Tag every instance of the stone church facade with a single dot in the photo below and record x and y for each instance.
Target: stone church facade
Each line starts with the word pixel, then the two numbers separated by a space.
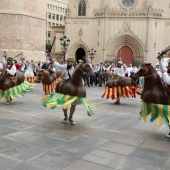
pixel 131 29
pixel 22 28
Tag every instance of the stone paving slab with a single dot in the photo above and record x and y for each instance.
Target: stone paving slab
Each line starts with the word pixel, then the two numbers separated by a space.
pixel 85 165
pixel 6 162
pixel 32 137
pixel 104 158
pixel 119 148
pixel 23 152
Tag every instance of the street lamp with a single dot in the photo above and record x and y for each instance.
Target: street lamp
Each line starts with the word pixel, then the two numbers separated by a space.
pixel 92 52
pixel 64 41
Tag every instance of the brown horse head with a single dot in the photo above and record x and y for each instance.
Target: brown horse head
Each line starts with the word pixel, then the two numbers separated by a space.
pixel 153 91
pixel 144 70
pixel 74 86
pixel 87 68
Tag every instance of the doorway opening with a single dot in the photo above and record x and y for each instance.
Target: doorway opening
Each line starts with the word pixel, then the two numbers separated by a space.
pixel 80 54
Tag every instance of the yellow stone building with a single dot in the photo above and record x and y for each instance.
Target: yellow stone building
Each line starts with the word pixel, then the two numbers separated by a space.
pixel 23 28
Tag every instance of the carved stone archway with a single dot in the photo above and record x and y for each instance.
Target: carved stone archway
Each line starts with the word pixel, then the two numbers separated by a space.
pixel 125 40
pixel 75 47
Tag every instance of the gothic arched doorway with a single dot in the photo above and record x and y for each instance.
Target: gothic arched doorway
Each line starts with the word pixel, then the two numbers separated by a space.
pixel 126 54
pixel 80 54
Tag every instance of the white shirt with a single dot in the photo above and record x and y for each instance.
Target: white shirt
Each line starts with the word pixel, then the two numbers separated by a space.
pixel 101 69
pixel 63 68
pixel 4 61
pixel 166 78
pixel 59 67
pixel 120 71
pixel 135 70
pixel 23 65
pixel 66 73
pixel 129 71
pixel 12 71
pixel 165 75
pixel 1 66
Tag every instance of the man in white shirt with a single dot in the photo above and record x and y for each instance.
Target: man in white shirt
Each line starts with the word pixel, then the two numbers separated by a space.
pixel 130 68
pixel 11 69
pixel 120 70
pixel 165 70
pixel 165 75
pixel 67 70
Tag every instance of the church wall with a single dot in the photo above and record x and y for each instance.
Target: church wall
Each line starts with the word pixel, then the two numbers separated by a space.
pixel 99 32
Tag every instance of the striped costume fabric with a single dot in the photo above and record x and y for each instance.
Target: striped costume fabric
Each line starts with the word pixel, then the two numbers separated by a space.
pixel 57 99
pixel 158 112
pixel 16 91
pixel 51 87
pixel 31 79
pixel 121 92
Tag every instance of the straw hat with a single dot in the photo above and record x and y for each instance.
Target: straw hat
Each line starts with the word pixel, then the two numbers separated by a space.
pixel 10 58
pixel 70 59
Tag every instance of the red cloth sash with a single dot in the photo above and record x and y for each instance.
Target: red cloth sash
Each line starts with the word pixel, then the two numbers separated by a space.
pixel 17 66
pixel 10 66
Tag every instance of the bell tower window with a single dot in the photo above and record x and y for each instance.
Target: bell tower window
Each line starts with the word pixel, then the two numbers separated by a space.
pixel 82 8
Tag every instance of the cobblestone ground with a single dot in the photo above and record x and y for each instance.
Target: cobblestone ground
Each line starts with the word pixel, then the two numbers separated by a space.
pixel 32 137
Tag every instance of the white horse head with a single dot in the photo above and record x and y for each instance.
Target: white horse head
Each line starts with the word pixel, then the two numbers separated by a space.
pixel 30 69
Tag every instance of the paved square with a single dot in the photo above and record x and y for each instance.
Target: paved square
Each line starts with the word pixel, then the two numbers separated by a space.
pixel 32 137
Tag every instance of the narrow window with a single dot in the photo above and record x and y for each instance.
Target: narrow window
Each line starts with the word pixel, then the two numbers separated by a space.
pixel 49 33
pixel 82 8
pixel 53 16
pixel 49 15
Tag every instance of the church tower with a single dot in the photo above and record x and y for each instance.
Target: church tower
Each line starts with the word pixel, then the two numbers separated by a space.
pixel 22 28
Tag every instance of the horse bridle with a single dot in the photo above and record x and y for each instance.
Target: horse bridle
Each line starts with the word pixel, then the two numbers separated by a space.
pixel 146 71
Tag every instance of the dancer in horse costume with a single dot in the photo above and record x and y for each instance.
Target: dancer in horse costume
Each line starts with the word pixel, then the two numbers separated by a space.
pixel 49 77
pixel 12 84
pixel 165 75
pixel 118 86
pixel 155 95
pixel 30 72
pixel 70 89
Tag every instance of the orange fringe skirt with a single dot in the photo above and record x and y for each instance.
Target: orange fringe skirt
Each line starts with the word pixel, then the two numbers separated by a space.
pixel 121 92
pixel 51 87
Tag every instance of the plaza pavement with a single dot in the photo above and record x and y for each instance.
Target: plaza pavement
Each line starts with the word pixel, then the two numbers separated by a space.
pixel 32 137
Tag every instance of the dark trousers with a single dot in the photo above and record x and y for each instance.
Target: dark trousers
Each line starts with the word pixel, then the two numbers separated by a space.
pixel 86 79
pixel 96 78
pixel 100 79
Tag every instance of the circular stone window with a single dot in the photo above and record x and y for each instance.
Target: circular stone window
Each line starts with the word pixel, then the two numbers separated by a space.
pixel 127 3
